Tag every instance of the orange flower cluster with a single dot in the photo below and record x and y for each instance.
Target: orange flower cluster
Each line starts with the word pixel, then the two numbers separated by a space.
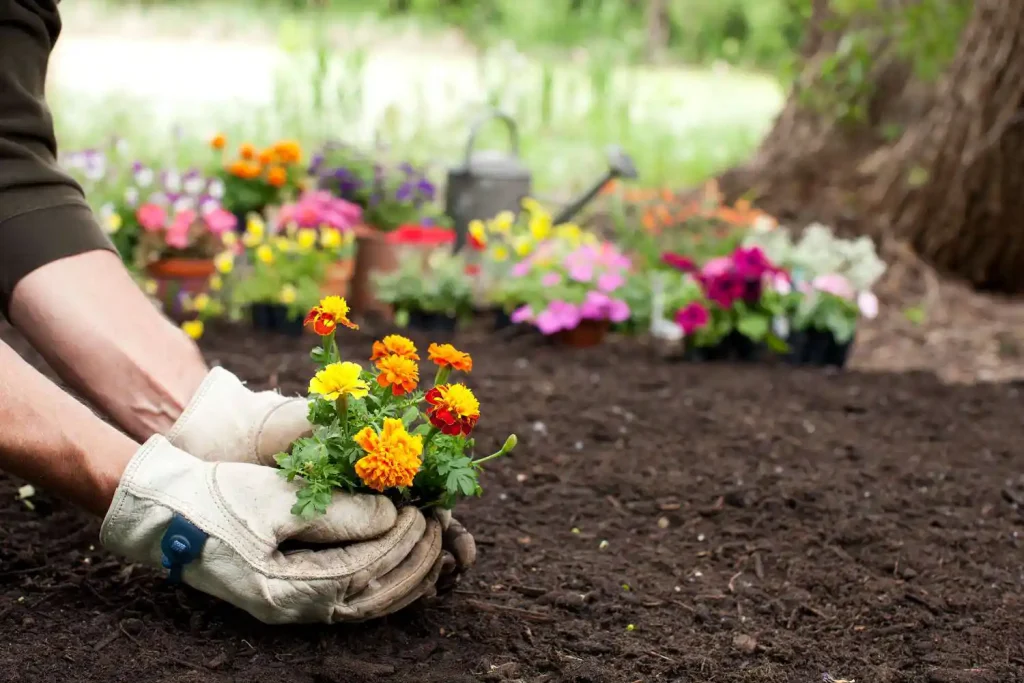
pixel 270 164
pixel 392 458
pixel 665 208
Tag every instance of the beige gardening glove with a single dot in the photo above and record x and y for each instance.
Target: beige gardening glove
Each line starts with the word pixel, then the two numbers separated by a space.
pixel 389 558
pixel 227 422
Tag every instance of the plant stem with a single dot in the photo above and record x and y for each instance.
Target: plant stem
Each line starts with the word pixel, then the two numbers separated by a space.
pixel 442 375
pixel 492 456
pixel 430 435
pixel 342 407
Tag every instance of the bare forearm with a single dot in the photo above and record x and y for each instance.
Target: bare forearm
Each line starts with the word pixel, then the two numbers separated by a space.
pixel 54 441
pixel 107 341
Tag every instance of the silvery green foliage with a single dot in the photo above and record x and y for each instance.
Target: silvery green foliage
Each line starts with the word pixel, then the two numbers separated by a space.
pixel 820 252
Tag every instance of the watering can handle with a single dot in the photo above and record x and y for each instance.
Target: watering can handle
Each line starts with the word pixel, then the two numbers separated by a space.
pixel 513 132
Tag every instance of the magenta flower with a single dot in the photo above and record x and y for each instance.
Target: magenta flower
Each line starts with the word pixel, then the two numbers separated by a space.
pixel 151 217
pixel 679 262
pixel 751 263
pixel 558 316
pixel 595 306
pixel 618 311
pixel 220 221
pixel 523 314
pixel 692 317
pixel 725 289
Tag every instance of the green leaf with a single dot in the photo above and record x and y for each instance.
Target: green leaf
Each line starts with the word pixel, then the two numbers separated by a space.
pixel 422 429
pixel 776 344
pixel 409 416
pixel 754 326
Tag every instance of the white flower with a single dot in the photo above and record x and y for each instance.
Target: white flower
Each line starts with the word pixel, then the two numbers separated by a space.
pixel 131 196
pixel 208 206
pixel 193 185
pixel 781 284
pixel 184 204
pixel 867 302
pixel 780 326
pixel 144 177
pixel 172 182
pixel 216 188
pixel 106 210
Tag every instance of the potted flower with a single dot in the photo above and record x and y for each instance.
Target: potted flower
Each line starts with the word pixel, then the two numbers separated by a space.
pixel 832 278
pixel 432 288
pixel 569 293
pixel 257 178
pixel 329 216
pixel 728 309
pixel 390 196
pixel 179 234
pixel 285 274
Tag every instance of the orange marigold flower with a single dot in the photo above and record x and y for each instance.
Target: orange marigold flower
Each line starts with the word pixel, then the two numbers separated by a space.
pixel 333 307
pixel 392 458
pixel 288 151
pixel 277 176
pixel 401 374
pixel 394 345
pixel 447 356
pixel 265 157
pixel 453 409
pixel 237 168
pixel 247 151
pixel 218 141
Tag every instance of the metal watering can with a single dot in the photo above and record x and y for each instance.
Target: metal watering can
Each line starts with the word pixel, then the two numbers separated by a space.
pixel 489 182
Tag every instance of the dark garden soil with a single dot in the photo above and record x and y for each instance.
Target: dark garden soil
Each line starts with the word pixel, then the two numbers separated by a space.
pixel 658 522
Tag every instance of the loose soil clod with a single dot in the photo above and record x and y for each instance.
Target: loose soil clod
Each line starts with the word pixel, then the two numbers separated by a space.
pixel 796 503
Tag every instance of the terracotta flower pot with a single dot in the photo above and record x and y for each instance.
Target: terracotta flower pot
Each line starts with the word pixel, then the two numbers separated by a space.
pixel 588 333
pixel 177 276
pixel 374 254
pixel 337 279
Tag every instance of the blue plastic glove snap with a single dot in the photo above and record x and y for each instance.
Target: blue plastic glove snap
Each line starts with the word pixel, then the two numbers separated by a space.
pixel 182 543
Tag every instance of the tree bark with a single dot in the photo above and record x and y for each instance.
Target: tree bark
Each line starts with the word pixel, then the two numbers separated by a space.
pixel 951 186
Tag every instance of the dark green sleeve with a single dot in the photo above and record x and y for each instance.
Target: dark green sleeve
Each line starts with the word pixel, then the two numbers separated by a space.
pixel 43 213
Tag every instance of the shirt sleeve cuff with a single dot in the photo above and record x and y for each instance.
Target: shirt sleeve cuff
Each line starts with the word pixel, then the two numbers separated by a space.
pixel 35 238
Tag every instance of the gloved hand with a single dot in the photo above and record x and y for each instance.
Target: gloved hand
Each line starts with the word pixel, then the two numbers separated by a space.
pixel 390 558
pixel 227 422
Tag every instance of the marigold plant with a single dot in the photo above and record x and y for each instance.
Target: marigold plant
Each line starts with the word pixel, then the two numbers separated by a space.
pixel 375 430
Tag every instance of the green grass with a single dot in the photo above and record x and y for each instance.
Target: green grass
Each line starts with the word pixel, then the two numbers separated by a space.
pixel 680 125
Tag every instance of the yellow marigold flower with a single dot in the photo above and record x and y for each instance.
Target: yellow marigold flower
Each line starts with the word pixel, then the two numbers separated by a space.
pixel 499 254
pixel 283 244
pixel 287 295
pixel 503 222
pixel 265 254
pixel 569 232
pixel 229 239
pixel 394 345
pixel 392 458
pixel 150 287
pixel 114 223
pixel 306 239
pixel 446 355
pixel 399 373
pixel 339 379
pixel 201 302
pixel 216 283
pixel 193 328
pixel 225 262
pixel 523 245
pixel 540 226
pixel 478 233
pixel 335 308
pixel 255 226
pixel 532 206
pixel 330 238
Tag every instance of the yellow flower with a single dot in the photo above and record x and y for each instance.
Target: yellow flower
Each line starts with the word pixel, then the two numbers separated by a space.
pixel 330 238
pixel 193 328
pixel 339 379
pixel 540 226
pixel 265 254
pixel 306 239
pixel 392 458
pixel 229 239
pixel 255 226
pixel 523 245
pixel 225 262
pixel 287 295
pixel 502 223
pixel 332 308
pixel 216 283
pixel 283 244
pixel 150 287
pixel 532 206
pixel 569 232
pixel 479 233
pixel 114 223
pixel 201 302
pixel 499 253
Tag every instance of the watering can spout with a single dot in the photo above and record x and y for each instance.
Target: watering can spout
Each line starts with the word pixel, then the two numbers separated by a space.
pixel 620 165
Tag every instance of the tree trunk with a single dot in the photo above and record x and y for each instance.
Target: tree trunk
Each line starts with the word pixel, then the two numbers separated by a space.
pixel 657 29
pixel 953 186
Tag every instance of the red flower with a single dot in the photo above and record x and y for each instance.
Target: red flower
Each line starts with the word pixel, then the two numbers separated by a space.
pixel 420 235
pixel 472 269
pixel 453 409
pixel 679 262
pixel 323 322
pixel 475 243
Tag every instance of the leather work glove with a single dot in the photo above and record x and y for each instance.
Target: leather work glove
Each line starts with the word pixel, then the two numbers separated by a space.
pixel 218 527
pixel 226 421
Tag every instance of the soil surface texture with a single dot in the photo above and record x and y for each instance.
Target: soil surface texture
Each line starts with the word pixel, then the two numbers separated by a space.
pixel 658 522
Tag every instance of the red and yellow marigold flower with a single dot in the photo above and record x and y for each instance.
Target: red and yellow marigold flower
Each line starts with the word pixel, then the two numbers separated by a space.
pixel 328 314
pixel 338 380
pixel 400 373
pixel 394 345
pixel 447 356
pixel 453 409
pixel 392 458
